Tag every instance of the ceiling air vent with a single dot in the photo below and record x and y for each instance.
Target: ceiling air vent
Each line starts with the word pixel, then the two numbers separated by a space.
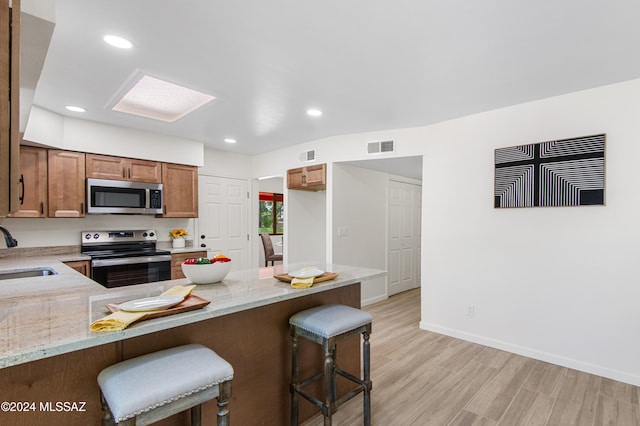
pixel 308 155
pixel 380 146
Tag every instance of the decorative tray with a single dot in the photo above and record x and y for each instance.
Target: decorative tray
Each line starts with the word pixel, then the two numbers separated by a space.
pixel 324 277
pixel 190 303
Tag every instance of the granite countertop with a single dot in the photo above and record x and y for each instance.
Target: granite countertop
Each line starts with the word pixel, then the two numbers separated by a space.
pixel 46 316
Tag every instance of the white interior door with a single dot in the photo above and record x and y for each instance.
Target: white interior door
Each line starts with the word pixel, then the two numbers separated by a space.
pixel 223 218
pixel 405 206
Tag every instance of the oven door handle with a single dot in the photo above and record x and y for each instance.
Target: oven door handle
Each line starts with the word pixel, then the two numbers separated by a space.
pixel 96 263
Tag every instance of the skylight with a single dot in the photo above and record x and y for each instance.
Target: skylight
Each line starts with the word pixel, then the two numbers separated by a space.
pixel 161 100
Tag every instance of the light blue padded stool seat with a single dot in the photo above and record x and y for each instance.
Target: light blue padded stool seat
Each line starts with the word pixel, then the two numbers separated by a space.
pixel 326 325
pixel 143 390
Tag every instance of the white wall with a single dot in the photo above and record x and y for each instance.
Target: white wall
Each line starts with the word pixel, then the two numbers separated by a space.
pixel 360 198
pixel 66 231
pixel 48 128
pixel 305 226
pixel 557 284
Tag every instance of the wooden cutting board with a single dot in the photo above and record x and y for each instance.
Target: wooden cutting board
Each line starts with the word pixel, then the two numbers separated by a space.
pixel 324 277
pixel 190 303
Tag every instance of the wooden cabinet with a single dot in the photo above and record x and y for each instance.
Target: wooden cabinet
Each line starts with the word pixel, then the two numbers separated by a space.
pixel 32 183
pixel 178 258
pixel 310 178
pixel 81 266
pixel 9 106
pixel 120 168
pixel 66 179
pixel 180 190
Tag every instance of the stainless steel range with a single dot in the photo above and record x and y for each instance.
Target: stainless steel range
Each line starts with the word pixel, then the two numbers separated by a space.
pixel 120 258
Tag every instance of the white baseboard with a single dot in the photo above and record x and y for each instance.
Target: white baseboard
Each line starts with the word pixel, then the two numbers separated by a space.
pixel 620 376
pixel 372 300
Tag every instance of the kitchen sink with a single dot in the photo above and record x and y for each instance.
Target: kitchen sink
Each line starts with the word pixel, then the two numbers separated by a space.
pixel 26 273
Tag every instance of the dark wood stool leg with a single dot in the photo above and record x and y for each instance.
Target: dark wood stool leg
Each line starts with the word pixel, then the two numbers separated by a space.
pixel 196 415
pixel 329 379
pixel 366 361
pixel 294 378
pixel 223 403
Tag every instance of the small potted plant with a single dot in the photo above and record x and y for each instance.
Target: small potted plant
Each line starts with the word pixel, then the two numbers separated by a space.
pixel 177 235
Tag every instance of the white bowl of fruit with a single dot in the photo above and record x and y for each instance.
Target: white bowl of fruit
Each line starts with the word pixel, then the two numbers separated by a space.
pixel 206 271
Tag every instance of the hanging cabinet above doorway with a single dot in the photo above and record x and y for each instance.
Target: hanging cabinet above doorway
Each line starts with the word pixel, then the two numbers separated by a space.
pixel 310 178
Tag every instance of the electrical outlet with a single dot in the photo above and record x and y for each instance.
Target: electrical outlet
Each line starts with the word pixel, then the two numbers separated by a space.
pixel 471 310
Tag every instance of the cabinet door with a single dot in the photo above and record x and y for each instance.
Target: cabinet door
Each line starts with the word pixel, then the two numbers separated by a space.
pixel 33 183
pixel 66 183
pixel 105 167
pixel 178 258
pixel 180 184
pixel 315 175
pixel 144 171
pixel 294 178
pixel 9 107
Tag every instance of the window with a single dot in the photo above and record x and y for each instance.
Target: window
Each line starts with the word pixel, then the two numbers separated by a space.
pixel 271 218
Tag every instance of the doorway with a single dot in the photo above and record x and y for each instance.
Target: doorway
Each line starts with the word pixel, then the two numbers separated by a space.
pixel 223 225
pixel 403 257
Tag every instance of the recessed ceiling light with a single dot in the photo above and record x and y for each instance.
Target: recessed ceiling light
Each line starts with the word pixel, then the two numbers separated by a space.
pixel 119 42
pixel 314 112
pixel 161 100
pixel 75 108
pixel 229 140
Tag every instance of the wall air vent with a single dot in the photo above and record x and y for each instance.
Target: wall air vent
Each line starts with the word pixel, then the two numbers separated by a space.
pixel 308 155
pixel 380 146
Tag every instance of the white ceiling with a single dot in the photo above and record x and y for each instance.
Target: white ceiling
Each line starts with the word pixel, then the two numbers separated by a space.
pixel 368 64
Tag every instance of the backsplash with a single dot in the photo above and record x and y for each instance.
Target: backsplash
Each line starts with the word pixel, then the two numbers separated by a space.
pixel 49 232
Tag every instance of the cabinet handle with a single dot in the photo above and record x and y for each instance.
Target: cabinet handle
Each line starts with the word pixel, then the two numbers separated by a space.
pixel 203 245
pixel 41 207
pixel 21 197
pixel 124 173
pixel 81 208
pixel 129 173
pixel 304 179
pixel 203 236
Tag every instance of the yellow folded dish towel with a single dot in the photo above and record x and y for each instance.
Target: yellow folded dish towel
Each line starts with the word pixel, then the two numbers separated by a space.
pixel 120 320
pixel 302 282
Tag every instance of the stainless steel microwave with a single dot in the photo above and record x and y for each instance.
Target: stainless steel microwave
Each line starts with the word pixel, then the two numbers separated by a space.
pixel 115 196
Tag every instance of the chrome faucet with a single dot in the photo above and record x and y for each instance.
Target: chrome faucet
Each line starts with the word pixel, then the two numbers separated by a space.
pixel 11 242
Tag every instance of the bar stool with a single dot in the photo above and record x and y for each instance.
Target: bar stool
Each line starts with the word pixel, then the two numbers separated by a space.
pixel 326 325
pixel 143 390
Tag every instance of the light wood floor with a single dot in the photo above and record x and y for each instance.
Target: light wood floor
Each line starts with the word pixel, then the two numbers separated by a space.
pixel 424 378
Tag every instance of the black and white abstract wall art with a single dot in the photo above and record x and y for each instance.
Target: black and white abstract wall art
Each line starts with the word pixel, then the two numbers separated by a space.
pixel 567 172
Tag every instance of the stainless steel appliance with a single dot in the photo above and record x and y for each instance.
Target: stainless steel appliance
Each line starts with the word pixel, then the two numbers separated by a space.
pixel 120 258
pixel 116 196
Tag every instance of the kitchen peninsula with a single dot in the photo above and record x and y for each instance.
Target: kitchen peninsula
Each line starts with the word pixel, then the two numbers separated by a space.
pixel 48 353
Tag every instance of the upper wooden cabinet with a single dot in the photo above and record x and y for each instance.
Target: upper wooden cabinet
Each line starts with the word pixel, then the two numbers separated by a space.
pixel 180 190
pixel 310 178
pixel 119 168
pixel 9 106
pixel 33 183
pixel 66 183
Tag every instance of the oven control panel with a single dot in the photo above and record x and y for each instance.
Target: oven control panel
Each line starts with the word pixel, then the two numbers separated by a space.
pixel 102 237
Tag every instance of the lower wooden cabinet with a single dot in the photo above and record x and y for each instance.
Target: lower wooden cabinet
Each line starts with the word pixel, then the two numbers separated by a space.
pixel 81 266
pixel 178 258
